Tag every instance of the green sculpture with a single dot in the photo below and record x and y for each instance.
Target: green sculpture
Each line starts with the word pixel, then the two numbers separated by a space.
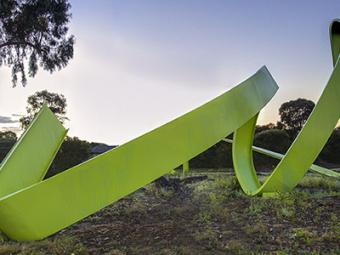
pixel 32 208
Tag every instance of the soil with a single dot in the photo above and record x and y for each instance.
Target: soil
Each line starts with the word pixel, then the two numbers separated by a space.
pixel 148 222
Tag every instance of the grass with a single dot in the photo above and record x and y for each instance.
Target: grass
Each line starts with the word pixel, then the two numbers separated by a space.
pixel 207 217
pixel 60 246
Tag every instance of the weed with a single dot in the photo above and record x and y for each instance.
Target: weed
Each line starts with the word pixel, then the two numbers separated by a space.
pixel 255 229
pixel 304 235
pixel 256 206
pixel 318 182
pixel 57 246
pixel 208 237
pixel 235 247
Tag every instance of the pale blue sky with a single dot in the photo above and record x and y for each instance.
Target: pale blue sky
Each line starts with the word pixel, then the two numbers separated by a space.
pixel 139 64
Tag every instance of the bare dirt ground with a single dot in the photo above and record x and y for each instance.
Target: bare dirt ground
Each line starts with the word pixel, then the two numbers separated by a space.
pixel 212 216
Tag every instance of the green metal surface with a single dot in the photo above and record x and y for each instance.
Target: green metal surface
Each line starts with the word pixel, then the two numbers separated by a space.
pixel 307 145
pixel 277 155
pixel 32 208
pixel 45 207
pixel 186 168
pixel 30 158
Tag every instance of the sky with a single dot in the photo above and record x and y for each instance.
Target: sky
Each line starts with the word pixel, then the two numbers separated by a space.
pixel 139 64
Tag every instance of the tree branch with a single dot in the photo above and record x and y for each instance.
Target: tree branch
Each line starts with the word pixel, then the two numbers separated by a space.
pixel 5 44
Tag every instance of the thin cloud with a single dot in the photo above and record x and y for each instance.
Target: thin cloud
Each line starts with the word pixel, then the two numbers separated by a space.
pixel 17 115
pixel 5 120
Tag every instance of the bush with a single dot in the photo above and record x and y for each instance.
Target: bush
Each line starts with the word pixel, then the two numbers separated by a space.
pixel 73 151
pixel 273 139
pixel 217 156
pixel 331 151
pixel 7 140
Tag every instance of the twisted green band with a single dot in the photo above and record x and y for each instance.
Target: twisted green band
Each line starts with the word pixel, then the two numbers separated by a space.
pixel 32 208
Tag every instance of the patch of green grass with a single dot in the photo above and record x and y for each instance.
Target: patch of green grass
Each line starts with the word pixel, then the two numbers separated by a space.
pixel 320 182
pixel 257 228
pixel 160 192
pixel 212 216
pixel 303 234
pixel 256 206
pixel 57 246
pixel 204 217
pixel 115 252
pixel 136 208
pixel 235 246
pixel 208 237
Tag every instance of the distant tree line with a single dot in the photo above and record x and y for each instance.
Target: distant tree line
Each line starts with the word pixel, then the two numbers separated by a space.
pixel 36 33
pixel 276 137
pixel 7 140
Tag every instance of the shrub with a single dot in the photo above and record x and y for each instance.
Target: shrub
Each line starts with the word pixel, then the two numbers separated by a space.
pixel 273 139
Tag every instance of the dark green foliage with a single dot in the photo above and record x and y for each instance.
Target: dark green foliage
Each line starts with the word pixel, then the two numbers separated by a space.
pixel 272 139
pixel 217 156
pixel 260 128
pixel 56 102
pixel 72 152
pixel 331 151
pixel 220 155
pixel 8 135
pixel 34 32
pixel 294 114
pixel 7 140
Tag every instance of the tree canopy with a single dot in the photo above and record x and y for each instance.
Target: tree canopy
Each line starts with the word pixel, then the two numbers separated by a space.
pixel 34 32
pixel 294 114
pixel 273 139
pixel 56 102
pixel 7 140
pixel 8 135
pixel 73 151
pixel 331 151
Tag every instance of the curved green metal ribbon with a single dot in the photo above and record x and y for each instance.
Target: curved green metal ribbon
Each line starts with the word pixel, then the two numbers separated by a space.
pixel 307 145
pixel 277 155
pixel 32 208
pixel 36 211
